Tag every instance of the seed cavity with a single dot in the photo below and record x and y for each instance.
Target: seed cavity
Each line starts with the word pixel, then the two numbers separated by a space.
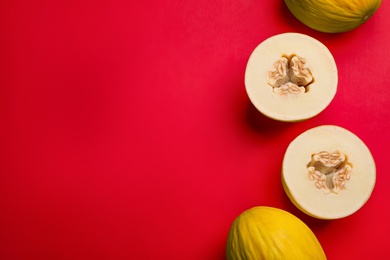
pixel 329 171
pixel 289 76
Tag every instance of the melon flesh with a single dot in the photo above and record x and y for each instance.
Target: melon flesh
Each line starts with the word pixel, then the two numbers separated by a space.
pixel 332 203
pixel 294 107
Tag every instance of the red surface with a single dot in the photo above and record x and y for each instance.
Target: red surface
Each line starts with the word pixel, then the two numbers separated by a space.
pixel 126 131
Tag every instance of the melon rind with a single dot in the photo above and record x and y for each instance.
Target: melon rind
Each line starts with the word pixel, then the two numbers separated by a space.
pixel 333 16
pixel 270 233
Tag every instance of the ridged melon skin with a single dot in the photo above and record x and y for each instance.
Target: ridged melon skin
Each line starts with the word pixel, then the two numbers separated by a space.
pixel 333 16
pixel 270 233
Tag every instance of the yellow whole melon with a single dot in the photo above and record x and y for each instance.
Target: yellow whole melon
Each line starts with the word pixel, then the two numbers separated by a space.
pixel 333 16
pixel 271 233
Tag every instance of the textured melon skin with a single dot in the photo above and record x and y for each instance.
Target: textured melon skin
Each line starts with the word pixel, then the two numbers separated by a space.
pixel 333 16
pixel 271 233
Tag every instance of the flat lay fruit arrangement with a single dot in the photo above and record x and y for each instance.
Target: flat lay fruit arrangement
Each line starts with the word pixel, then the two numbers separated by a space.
pixel 237 130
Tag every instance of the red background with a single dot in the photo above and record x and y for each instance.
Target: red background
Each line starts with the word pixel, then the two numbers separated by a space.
pixel 126 131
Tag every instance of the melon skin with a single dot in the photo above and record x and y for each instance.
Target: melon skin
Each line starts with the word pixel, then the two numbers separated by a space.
pixel 271 233
pixel 333 16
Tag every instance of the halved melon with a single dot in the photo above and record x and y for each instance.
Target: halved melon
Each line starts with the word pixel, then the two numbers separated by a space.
pixel 328 172
pixel 291 77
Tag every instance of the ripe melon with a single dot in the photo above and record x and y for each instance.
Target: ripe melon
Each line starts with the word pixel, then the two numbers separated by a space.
pixel 291 77
pixel 271 233
pixel 333 16
pixel 328 172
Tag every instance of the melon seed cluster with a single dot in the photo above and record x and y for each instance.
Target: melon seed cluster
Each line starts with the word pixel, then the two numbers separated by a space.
pixel 290 76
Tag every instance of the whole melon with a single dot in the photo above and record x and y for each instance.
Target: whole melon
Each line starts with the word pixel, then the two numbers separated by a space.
pixel 333 16
pixel 271 233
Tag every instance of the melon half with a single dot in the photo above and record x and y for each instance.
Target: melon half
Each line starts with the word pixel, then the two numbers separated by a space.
pixel 328 172
pixel 291 77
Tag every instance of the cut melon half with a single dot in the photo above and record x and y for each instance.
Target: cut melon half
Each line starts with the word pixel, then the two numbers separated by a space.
pixel 291 77
pixel 328 172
